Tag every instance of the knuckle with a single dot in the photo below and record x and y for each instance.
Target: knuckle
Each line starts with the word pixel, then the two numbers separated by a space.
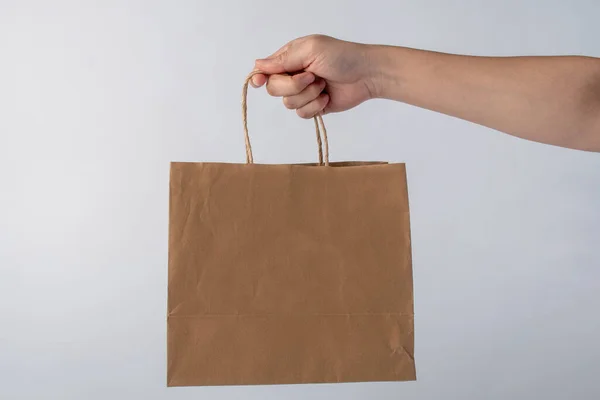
pixel 297 86
pixel 288 103
pixel 318 88
pixel 284 55
pixel 273 87
pixel 303 113
pixel 316 40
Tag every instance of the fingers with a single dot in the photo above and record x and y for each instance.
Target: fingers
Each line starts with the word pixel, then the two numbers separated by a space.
pixel 294 56
pixel 289 85
pixel 302 92
pixel 314 107
pixel 309 94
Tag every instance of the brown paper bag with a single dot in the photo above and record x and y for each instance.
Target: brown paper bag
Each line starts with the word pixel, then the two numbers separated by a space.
pixel 289 273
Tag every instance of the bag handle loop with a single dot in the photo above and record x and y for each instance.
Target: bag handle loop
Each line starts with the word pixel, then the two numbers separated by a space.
pixel 319 127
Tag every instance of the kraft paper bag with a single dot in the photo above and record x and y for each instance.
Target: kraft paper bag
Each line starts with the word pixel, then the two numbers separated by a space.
pixel 283 274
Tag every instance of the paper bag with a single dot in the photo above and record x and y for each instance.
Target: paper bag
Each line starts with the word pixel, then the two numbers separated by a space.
pixel 284 274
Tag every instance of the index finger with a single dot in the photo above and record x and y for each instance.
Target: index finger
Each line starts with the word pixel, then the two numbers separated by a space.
pixel 258 80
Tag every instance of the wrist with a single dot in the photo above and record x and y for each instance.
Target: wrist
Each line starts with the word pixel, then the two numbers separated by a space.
pixel 394 71
pixel 384 73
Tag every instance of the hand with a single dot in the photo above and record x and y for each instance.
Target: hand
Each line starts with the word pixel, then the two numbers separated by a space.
pixel 318 74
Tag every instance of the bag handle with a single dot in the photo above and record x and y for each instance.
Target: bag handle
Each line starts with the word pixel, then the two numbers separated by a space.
pixel 319 127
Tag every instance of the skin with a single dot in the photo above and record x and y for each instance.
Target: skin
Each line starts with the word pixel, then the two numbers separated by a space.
pixel 553 100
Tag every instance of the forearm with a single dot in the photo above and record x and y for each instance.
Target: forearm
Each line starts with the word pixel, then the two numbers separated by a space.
pixel 554 100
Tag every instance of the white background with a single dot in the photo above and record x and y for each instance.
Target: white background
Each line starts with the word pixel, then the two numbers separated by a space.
pixel 97 97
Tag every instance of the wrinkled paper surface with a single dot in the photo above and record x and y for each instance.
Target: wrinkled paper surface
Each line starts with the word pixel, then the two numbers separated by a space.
pixel 285 274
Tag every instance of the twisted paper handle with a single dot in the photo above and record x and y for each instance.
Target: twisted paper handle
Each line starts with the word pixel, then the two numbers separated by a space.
pixel 319 127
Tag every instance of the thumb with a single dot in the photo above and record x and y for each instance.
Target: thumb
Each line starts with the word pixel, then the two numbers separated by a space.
pixel 293 57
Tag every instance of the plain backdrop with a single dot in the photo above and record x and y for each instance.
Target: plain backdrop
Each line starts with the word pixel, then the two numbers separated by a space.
pixel 97 97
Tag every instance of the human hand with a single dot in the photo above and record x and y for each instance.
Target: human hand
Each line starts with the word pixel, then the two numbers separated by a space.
pixel 318 74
